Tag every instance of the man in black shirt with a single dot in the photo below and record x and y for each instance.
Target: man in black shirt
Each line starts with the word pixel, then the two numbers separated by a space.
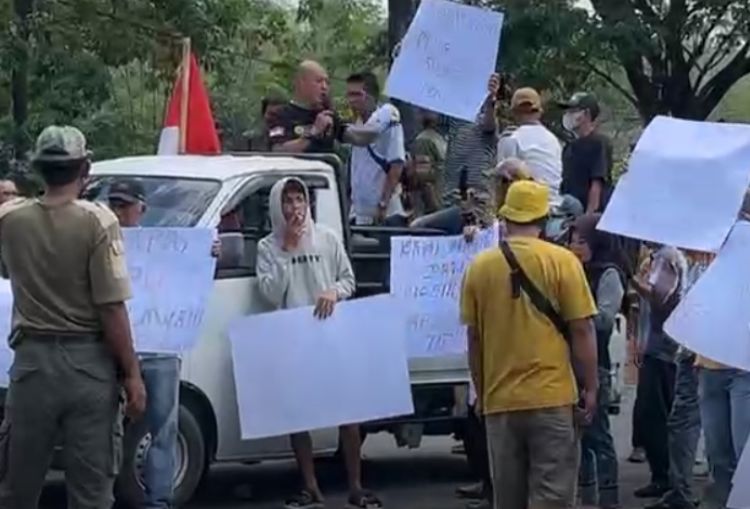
pixel 308 124
pixel 587 160
pixel 269 108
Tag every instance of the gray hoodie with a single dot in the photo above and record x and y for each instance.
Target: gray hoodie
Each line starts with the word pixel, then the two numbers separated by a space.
pixel 290 279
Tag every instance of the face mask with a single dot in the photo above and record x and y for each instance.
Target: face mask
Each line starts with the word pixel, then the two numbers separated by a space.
pixel 572 120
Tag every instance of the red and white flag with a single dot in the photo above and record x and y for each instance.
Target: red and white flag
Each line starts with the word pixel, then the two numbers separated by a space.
pixel 189 126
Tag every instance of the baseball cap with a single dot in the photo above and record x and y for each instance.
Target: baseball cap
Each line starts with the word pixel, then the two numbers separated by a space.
pixel 583 101
pixel 60 144
pixel 127 190
pixel 526 201
pixel 527 98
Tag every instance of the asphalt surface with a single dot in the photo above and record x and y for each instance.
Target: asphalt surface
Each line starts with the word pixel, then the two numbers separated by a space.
pixel 405 479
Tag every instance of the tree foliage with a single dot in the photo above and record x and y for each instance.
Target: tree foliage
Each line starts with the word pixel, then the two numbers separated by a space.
pixel 108 65
pixel 680 56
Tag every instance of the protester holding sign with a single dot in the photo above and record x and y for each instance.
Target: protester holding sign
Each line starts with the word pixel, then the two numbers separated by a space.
pixel 161 373
pixel 725 414
pixel 520 356
pixel 472 154
pixel 71 333
pixel 684 421
pixel 302 264
pixel 662 291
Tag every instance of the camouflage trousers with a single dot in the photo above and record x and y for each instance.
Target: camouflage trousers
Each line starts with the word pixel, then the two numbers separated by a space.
pixel 63 389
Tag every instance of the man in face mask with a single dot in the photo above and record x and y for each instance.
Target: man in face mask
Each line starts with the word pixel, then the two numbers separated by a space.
pixel 587 160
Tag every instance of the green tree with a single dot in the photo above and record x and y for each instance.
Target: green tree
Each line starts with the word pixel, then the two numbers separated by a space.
pixel 680 57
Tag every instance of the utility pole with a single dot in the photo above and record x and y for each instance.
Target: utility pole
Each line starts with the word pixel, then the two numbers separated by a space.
pixel 400 14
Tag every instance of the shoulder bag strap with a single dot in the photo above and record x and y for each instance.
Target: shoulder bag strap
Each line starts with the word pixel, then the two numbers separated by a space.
pixel 520 281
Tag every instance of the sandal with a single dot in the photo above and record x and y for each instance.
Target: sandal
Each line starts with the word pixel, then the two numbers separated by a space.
pixel 364 500
pixel 304 500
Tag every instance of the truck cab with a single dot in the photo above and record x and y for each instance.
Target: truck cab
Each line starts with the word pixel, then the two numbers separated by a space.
pixel 230 194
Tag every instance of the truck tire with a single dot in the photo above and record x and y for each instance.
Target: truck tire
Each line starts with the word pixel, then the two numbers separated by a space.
pixel 190 466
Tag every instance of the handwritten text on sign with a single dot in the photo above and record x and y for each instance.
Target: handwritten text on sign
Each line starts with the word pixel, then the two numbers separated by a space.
pixel 426 274
pixel 446 58
pixel 171 271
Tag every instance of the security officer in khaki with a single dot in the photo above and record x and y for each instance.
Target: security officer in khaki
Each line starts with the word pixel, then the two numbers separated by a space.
pixel 71 334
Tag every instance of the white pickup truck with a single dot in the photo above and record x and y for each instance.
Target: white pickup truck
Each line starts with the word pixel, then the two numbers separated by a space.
pixel 230 193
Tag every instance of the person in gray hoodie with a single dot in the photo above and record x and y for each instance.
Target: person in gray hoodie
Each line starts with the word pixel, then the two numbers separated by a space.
pixel 305 264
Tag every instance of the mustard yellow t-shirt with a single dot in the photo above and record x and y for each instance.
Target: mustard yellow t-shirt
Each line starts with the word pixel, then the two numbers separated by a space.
pixel 525 361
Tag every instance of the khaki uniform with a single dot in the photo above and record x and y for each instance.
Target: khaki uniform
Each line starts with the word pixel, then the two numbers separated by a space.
pixel 63 261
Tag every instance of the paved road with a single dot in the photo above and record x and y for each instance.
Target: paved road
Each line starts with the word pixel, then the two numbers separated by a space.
pixel 422 478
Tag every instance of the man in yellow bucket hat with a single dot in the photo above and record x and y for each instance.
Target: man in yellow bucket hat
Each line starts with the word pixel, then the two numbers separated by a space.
pixel 529 313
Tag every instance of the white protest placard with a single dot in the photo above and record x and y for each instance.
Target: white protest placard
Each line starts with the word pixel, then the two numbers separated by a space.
pixel 172 273
pixel 295 373
pixel 713 320
pixel 739 498
pixel 426 276
pixel 684 186
pixel 6 312
pixel 446 58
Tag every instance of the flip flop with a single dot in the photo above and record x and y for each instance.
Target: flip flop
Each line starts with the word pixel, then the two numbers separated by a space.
pixel 304 500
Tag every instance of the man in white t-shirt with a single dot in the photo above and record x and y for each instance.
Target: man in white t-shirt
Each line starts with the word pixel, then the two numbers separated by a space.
pixel 376 168
pixel 533 143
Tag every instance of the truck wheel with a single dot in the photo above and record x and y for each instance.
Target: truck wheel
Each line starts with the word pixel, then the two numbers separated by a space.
pixel 190 461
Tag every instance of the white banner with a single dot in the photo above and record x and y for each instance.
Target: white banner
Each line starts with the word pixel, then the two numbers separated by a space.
pixel 446 58
pixel 713 320
pixel 740 496
pixel 296 373
pixel 426 276
pixel 684 186
pixel 171 272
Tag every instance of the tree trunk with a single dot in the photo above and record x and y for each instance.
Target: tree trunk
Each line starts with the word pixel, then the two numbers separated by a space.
pixel 20 77
pixel 400 14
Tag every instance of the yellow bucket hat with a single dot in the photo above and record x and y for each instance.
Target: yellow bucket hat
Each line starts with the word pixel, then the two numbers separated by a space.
pixel 526 202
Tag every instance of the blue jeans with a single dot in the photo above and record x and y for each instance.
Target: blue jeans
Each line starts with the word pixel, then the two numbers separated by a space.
pixel 597 479
pixel 448 220
pixel 161 375
pixel 725 409
pixel 684 430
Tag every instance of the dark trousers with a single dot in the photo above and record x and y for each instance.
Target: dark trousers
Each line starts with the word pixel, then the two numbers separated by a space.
pixel 598 473
pixel 638 429
pixel 684 426
pixel 656 385
pixel 475 442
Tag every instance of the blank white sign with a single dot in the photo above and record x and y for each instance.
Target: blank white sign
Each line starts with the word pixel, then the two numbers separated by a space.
pixel 684 186
pixel 740 496
pixel 713 319
pixel 296 373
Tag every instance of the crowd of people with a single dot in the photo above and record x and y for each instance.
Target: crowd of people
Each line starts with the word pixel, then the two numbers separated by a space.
pixel 566 292
pixel 540 310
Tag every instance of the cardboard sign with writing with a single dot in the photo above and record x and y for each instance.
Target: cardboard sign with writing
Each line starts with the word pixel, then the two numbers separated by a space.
pixel 446 58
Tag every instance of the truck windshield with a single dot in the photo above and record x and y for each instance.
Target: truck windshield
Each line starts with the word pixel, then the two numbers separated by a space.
pixel 169 201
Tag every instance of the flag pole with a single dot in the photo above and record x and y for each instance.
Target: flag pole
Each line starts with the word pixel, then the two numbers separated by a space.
pixel 185 94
